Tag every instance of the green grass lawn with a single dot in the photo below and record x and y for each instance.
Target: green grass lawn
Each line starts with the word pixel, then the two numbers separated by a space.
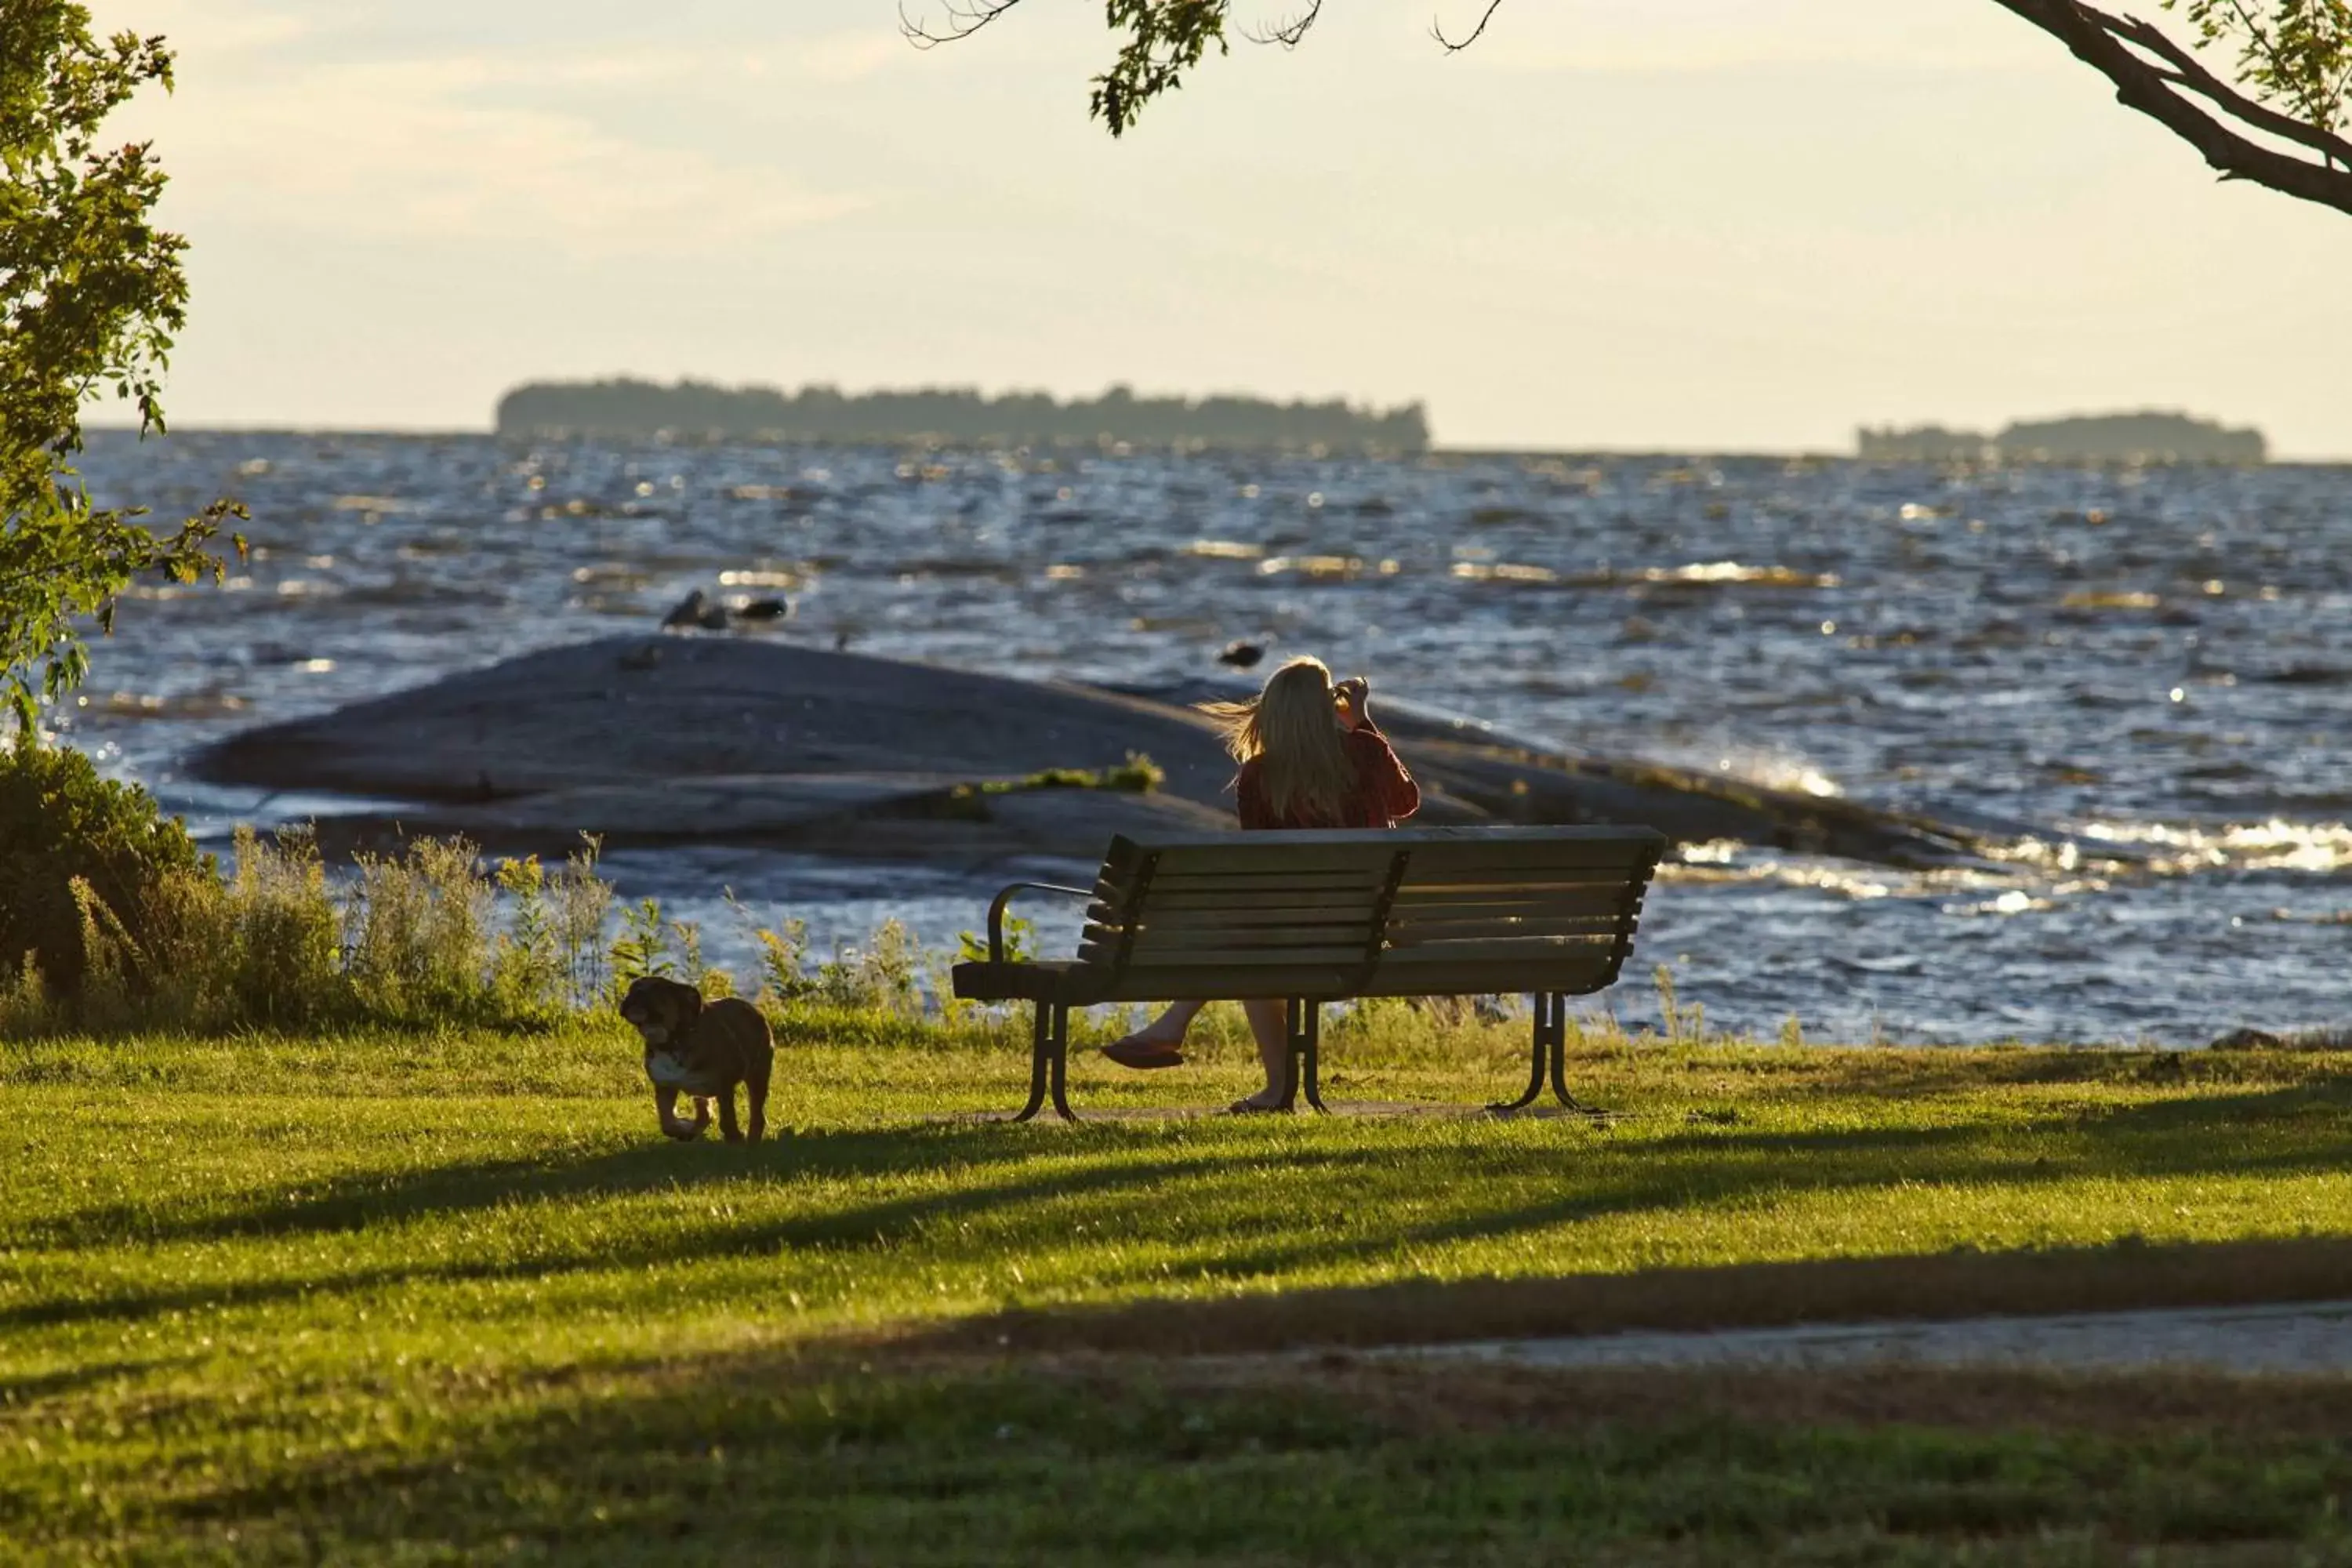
pixel 418 1298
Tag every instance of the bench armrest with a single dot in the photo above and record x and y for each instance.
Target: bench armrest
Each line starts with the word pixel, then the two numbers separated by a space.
pixel 997 905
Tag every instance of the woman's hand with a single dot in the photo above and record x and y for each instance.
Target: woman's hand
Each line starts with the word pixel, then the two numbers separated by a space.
pixel 1354 694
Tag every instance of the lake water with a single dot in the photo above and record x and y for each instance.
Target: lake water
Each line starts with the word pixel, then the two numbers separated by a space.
pixel 2158 657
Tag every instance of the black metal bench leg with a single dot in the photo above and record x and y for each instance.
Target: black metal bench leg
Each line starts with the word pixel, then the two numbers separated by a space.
pixel 1546 1005
pixel 1040 1058
pixel 1560 1059
pixel 1290 1042
pixel 1311 1052
pixel 1061 1074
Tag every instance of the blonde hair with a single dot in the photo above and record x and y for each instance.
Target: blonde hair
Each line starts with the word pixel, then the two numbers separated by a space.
pixel 1291 729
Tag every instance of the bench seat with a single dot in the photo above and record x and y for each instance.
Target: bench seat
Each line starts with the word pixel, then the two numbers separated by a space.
pixel 1317 917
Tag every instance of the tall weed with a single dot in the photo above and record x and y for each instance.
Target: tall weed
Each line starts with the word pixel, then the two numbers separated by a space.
pixel 27 1009
pixel 581 901
pixel 283 958
pixel 527 973
pixel 880 978
pixel 784 981
pixel 641 950
pixel 417 928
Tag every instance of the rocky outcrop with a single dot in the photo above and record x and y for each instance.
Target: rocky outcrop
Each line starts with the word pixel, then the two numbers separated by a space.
pixel 657 709
pixel 667 740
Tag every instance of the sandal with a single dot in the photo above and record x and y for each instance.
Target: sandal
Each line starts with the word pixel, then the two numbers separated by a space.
pixel 1248 1106
pixel 1143 1055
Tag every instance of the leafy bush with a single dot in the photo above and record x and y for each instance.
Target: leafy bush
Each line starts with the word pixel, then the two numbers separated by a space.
pixel 59 821
pixel 429 937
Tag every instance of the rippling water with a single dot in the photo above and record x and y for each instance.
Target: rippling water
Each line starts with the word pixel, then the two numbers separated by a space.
pixel 2159 656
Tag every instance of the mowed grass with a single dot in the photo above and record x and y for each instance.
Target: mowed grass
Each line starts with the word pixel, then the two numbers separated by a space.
pixel 418 1298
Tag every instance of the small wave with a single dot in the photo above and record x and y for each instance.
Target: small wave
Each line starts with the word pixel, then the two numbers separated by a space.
pixel 1503 572
pixel 1769 769
pixel 954 566
pixel 1726 572
pixel 2273 845
pixel 751 578
pixel 1321 567
pixel 400 592
pixel 773 492
pixel 2015 902
pixel 152 705
pixel 2105 600
pixel 2300 675
pixel 613 575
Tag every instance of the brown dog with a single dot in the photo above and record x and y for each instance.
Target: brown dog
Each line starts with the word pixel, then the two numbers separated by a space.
pixel 703 1049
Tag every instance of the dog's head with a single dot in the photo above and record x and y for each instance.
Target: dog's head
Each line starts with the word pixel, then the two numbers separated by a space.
pixel 661 1010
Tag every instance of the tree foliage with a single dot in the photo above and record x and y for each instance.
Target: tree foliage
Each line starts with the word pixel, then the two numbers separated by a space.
pixel 2291 77
pixel 2297 54
pixel 90 294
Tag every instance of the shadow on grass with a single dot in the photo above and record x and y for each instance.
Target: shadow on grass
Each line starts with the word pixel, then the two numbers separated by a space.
pixel 2122 1276
pixel 1289 1205
pixel 33 1387
pixel 744 1456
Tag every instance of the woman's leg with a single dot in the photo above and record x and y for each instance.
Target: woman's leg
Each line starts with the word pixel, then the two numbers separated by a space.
pixel 1170 1028
pixel 1160 1043
pixel 1269 1020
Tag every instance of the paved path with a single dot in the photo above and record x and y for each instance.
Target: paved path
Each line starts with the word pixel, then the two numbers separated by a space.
pixel 2305 1338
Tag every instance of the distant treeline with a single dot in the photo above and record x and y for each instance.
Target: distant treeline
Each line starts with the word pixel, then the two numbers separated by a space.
pixel 697 410
pixel 2092 438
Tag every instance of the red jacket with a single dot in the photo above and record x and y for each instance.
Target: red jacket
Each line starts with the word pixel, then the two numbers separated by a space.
pixel 1384 794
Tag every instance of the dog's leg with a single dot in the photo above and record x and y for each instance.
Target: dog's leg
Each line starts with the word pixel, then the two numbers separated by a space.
pixel 666 1107
pixel 755 1096
pixel 727 1127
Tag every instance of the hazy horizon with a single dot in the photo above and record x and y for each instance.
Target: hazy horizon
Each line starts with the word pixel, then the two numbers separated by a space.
pixel 1730 226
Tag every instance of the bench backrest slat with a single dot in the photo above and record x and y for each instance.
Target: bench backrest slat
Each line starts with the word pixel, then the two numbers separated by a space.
pixel 1238 916
pixel 1410 911
pixel 1603 900
pixel 1502 913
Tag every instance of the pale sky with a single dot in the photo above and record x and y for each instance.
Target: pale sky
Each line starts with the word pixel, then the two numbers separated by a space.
pixel 1727 225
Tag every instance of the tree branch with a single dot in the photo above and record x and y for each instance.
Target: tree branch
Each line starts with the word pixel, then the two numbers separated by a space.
pixel 1287 33
pixel 965 17
pixel 1437 30
pixel 2099 41
pixel 2190 73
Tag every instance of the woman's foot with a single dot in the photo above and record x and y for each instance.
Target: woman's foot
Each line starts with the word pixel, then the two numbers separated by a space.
pixel 1142 1052
pixel 1265 1102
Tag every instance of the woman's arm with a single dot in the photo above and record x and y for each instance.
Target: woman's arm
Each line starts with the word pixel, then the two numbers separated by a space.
pixel 1249 797
pixel 1381 772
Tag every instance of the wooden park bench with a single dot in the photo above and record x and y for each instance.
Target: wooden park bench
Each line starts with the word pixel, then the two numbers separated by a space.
pixel 1317 917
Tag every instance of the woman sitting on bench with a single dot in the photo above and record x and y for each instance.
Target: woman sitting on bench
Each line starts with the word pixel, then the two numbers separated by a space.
pixel 1311 757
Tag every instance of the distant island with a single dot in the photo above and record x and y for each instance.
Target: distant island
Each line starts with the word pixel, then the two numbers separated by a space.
pixel 700 411
pixel 2147 438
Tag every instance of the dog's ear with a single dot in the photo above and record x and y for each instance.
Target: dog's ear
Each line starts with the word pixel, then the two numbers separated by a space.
pixel 688 999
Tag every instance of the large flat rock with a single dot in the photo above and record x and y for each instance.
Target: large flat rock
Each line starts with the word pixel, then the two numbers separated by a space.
pixel 650 740
pixel 646 709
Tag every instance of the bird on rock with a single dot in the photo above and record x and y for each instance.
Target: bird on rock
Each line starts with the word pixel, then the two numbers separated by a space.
pixel 696 611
